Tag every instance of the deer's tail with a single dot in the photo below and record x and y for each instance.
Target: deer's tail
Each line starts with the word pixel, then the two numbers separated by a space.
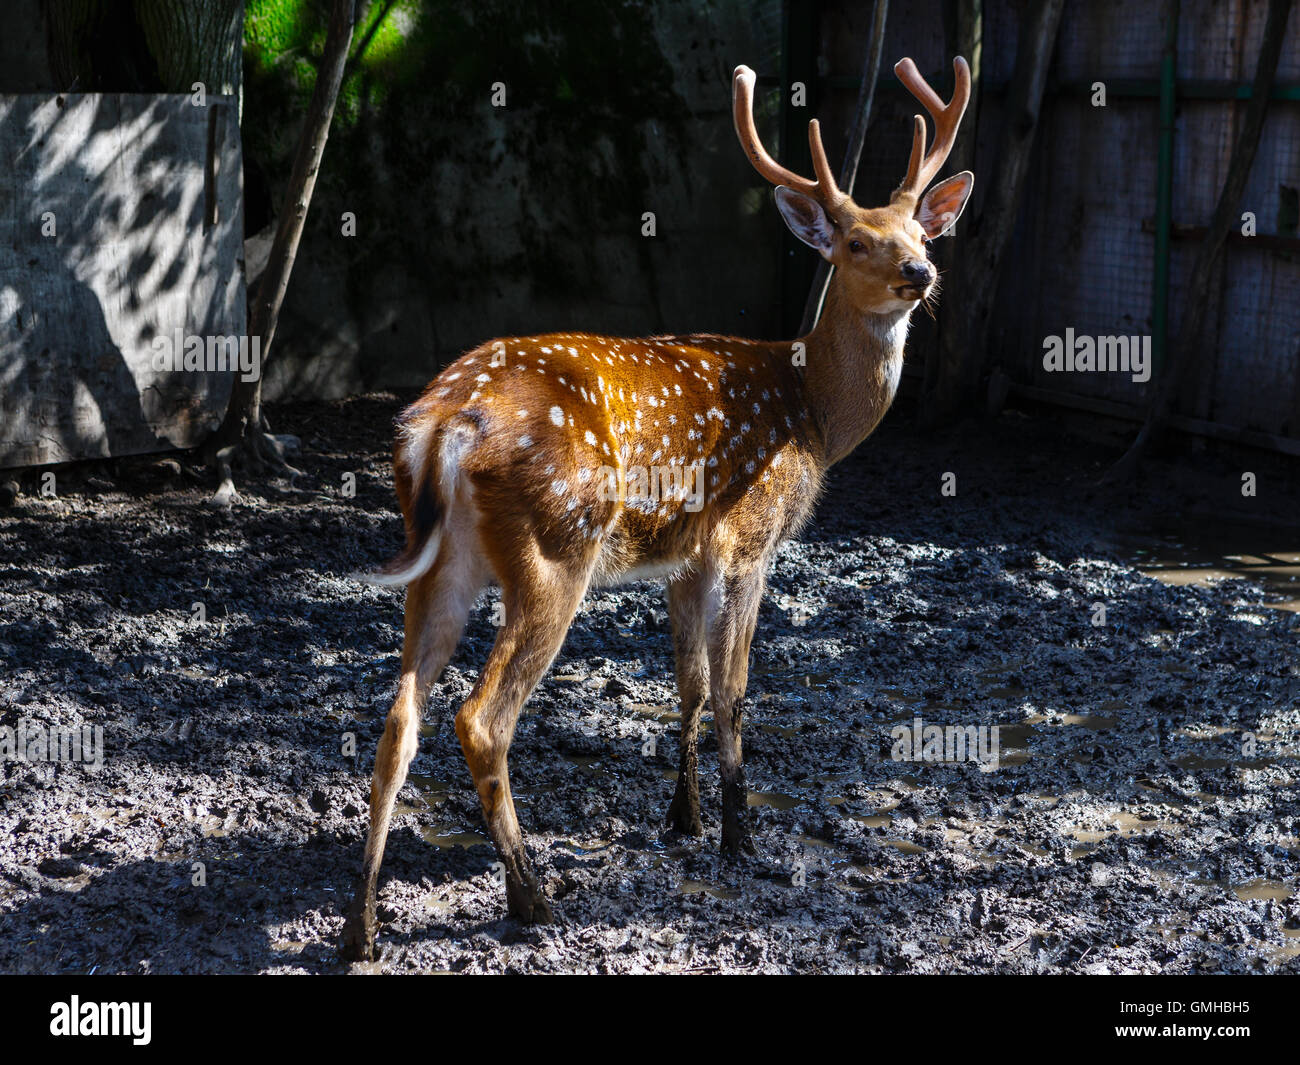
pixel 430 458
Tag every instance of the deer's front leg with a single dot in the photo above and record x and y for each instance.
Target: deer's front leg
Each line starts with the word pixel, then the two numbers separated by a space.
pixel 730 632
pixel 686 605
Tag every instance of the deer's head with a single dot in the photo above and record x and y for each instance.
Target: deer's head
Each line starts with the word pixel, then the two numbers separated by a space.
pixel 879 252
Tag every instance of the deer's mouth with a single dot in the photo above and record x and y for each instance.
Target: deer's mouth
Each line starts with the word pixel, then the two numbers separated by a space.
pixel 911 292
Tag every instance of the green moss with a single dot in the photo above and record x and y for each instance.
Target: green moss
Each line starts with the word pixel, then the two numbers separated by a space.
pixel 275 28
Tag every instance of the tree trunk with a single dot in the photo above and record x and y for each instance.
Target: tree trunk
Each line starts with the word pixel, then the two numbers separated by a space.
pixel 849 171
pixel 146 46
pixel 199 40
pixel 964 31
pixel 985 239
pixel 244 424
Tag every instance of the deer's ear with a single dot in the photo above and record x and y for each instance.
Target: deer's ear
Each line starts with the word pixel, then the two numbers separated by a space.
pixel 806 220
pixel 940 208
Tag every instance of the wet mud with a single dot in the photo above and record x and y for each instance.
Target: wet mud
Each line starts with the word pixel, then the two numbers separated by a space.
pixel 1136 651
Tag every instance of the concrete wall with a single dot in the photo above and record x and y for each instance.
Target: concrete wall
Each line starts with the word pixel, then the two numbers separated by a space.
pixel 120 230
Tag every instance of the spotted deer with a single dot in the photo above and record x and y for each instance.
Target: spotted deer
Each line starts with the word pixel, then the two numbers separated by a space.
pixel 552 464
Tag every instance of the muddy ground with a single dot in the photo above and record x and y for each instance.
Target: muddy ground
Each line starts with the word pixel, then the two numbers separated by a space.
pixel 1144 815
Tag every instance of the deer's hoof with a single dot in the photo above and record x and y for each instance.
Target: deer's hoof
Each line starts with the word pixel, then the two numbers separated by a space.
pixel 358 942
pixel 733 849
pixel 682 818
pixel 526 901
pixel 542 911
pixel 529 906
pixel 359 928
pixel 736 839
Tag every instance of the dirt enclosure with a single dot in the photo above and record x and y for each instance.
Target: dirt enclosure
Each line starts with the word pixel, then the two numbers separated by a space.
pixel 1143 816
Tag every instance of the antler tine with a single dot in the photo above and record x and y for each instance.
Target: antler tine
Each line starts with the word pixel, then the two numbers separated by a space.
pixel 824 189
pixel 923 166
pixel 828 191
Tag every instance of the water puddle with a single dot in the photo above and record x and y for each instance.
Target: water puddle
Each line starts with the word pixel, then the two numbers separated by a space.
pixel 663 713
pixel 581 850
pixel 1208 551
pixel 585 763
pixel 442 833
pixel 446 836
pixel 1208 762
pixel 1093 722
pixel 1120 825
pixel 931 711
pixel 775 799
pixel 871 820
pixel 1257 889
pixel 1013 743
pixel 703 887
pixel 1283 953
pixel 1252 890
pixel 898 695
pixel 961 839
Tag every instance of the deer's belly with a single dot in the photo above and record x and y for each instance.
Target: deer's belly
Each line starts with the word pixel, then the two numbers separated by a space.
pixel 641 548
pixel 608 576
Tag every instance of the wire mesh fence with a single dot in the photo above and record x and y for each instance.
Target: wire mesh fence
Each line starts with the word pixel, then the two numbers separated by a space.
pixel 1084 254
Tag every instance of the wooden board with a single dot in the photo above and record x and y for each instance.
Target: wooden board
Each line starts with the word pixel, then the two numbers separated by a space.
pixel 120 223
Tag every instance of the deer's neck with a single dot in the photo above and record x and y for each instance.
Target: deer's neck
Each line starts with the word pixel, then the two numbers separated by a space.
pixel 854 364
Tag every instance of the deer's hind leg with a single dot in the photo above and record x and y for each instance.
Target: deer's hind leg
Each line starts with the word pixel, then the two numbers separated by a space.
pixel 731 628
pixel 540 596
pixel 437 607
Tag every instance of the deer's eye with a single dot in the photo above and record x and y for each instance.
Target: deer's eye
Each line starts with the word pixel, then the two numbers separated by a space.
pixel 856 246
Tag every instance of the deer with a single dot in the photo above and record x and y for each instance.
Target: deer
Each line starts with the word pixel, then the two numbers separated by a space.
pixel 552 464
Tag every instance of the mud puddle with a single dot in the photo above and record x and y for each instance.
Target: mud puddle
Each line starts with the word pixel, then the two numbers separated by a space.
pixel 1206 552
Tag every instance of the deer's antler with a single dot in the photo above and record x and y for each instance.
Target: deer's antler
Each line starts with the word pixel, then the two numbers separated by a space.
pixel 823 190
pixel 947 117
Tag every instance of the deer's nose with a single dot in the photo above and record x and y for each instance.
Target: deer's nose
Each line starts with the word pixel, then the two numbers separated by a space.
pixel 918 272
